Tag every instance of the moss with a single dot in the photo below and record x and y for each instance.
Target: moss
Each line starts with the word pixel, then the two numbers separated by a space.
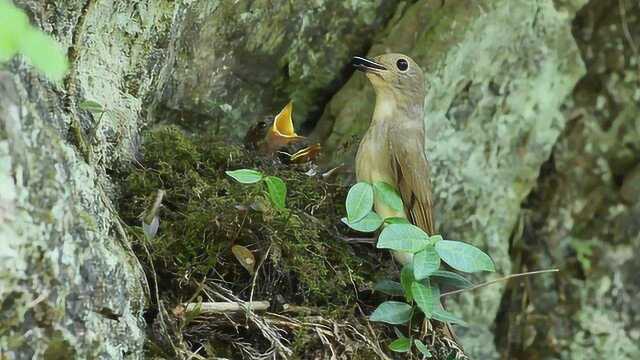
pixel 205 213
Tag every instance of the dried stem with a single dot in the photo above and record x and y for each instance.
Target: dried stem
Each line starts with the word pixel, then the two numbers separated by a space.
pixel 505 278
pixel 227 306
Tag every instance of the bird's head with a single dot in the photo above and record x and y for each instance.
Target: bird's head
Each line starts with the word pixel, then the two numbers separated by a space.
pixel 394 74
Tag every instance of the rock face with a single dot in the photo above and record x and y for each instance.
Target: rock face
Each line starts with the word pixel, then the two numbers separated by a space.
pixel 69 285
pixel 238 61
pixel 583 217
pixel 532 133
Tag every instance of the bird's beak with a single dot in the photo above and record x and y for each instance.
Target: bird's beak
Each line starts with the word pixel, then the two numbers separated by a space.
pixel 366 65
pixel 282 131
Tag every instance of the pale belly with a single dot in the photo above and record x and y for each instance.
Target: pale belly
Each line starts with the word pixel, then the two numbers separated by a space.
pixel 373 163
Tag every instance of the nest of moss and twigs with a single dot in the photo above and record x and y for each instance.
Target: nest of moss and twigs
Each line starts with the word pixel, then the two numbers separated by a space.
pixel 317 286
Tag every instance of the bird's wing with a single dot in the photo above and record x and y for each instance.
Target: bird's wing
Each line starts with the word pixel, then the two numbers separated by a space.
pixel 413 177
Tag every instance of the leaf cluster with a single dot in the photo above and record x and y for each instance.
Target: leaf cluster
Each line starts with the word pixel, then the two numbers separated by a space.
pixel 276 188
pixel 419 279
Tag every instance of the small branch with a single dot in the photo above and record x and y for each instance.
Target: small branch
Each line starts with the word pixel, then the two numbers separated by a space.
pixel 255 274
pixel 505 278
pixel 289 308
pixel 359 240
pixel 227 306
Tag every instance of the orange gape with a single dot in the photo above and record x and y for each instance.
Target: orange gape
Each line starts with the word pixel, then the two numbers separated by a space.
pixel 281 133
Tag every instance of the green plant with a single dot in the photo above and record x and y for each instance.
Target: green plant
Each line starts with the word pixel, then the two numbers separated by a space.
pixel 18 36
pixel 419 279
pixel 276 188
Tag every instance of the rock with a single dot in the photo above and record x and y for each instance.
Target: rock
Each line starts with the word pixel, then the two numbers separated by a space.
pixel 69 285
pixel 583 216
pixel 238 61
pixel 62 261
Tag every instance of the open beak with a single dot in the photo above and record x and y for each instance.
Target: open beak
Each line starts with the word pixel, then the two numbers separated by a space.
pixel 282 131
pixel 366 65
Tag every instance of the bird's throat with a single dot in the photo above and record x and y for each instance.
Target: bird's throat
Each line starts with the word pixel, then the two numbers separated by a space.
pixel 385 108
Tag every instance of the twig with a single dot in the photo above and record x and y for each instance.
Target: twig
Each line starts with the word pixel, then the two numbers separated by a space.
pixel 227 306
pixel 359 240
pixel 505 278
pixel 255 275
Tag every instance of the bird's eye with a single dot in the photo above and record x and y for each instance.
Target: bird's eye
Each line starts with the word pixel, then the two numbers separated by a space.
pixel 402 65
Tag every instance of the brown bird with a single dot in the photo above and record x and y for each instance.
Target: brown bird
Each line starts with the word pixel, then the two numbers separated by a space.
pixel 392 150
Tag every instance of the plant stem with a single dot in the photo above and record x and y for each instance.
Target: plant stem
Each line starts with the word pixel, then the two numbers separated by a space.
pixel 227 306
pixel 505 278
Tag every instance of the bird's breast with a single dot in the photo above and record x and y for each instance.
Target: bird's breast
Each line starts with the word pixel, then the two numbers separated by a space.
pixel 374 163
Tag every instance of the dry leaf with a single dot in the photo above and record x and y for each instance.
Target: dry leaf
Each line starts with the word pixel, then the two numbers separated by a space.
pixel 245 257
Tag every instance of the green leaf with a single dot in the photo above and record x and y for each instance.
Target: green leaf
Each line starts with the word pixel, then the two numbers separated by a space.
pixel 443 315
pixel 392 312
pixel 401 345
pixel 423 348
pixel 425 262
pixel 277 191
pixel 92 106
pixel 14 23
pixel 359 201
pixel 370 223
pixel 403 237
pixel 245 176
pixel 396 220
pixel 389 287
pixel 451 278
pixel 464 257
pixel 406 279
pixel 425 298
pixel 389 195
pixel 44 53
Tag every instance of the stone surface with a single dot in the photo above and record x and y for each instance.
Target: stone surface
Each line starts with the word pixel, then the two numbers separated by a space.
pixel 69 285
pixel 584 215
pixel 62 265
pixel 238 61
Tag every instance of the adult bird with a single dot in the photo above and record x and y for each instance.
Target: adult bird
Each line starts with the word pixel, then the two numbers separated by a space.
pixel 392 150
